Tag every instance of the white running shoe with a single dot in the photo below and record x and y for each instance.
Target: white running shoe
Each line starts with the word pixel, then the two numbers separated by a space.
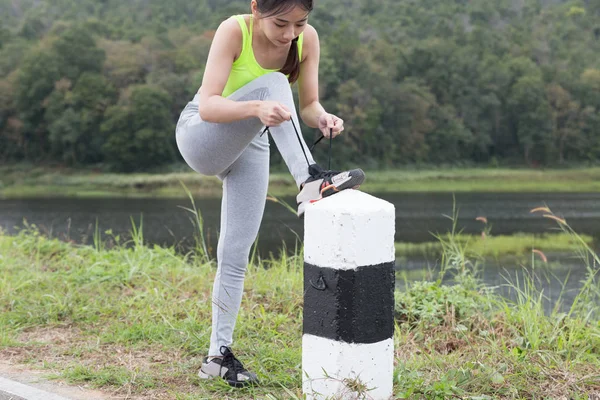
pixel 228 368
pixel 323 183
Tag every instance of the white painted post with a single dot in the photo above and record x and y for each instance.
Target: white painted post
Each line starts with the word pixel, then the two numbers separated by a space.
pixel 348 297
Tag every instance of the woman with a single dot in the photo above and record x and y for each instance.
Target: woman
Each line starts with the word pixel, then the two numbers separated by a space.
pixel 245 93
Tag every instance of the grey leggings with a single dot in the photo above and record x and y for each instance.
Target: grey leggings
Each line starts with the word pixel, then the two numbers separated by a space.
pixel 239 156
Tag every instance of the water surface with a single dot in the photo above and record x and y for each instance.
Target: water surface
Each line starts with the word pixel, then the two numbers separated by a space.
pixel 418 216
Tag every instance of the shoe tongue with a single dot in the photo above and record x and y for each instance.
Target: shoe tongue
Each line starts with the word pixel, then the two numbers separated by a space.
pixel 230 361
pixel 225 351
pixel 315 170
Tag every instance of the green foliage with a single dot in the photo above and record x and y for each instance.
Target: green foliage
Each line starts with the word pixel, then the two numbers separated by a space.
pixel 430 303
pixel 432 82
pixel 78 53
pixel 138 133
pixel 519 245
pixel 530 113
pixel 74 116
pixel 36 79
pixel 11 55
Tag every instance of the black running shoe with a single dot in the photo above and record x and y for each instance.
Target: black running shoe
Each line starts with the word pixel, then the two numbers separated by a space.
pixel 323 183
pixel 228 368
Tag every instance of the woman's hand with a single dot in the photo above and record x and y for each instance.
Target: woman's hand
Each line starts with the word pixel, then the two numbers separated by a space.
pixel 273 113
pixel 328 122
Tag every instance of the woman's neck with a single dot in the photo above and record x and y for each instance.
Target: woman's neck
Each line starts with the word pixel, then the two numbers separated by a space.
pixel 260 40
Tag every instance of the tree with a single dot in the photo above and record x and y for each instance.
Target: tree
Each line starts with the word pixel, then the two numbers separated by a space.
pixel 78 53
pixel 35 82
pixel 139 132
pixel 565 120
pixel 449 141
pixel 5 35
pixel 406 114
pixel 531 115
pixel 126 63
pixel 11 56
pixel 74 118
pixel 12 143
pixel 361 113
pixel 590 87
pixel 428 81
pixel 34 25
pixel 590 128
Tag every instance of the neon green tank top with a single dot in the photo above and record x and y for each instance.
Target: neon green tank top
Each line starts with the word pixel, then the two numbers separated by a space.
pixel 246 69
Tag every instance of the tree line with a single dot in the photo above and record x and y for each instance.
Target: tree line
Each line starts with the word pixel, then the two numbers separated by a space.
pixel 512 82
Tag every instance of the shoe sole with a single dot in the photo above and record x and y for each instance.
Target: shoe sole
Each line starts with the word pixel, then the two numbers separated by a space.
pixel 203 375
pixel 353 183
pixel 302 206
pixel 235 384
pixel 356 180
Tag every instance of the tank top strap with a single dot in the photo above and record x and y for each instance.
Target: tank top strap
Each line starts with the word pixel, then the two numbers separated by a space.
pixel 300 42
pixel 245 34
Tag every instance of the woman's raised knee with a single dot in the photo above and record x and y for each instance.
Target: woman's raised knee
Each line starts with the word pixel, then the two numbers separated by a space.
pixel 274 79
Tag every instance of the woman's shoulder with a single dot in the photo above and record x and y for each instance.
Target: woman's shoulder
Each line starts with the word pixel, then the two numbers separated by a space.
pixel 236 21
pixel 310 41
pixel 232 23
pixel 237 26
pixel 310 32
pixel 230 30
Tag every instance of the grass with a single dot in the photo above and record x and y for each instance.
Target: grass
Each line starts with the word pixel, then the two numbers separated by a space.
pixel 22 181
pixel 134 320
pixel 501 246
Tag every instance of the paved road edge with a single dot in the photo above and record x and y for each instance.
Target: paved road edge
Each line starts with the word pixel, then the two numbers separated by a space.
pixel 20 391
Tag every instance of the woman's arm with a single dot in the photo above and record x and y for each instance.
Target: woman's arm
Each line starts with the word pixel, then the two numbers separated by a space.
pixel 213 107
pixel 312 112
pixel 308 81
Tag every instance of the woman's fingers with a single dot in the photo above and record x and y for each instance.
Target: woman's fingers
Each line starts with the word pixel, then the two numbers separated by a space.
pixel 333 127
pixel 277 120
pixel 338 126
pixel 330 121
pixel 285 108
pixel 283 112
pixel 326 124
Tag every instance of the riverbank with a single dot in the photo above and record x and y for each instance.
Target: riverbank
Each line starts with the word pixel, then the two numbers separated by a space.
pixel 134 321
pixel 27 182
pixel 501 246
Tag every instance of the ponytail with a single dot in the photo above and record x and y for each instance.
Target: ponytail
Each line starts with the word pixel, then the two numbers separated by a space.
pixel 292 63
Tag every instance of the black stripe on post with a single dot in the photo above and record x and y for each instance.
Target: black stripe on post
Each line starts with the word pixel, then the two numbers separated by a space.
pixel 354 306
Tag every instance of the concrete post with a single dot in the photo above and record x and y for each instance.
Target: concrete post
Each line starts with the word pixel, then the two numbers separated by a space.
pixel 348 325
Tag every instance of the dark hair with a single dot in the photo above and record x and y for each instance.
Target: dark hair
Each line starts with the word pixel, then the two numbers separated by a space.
pixel 273 7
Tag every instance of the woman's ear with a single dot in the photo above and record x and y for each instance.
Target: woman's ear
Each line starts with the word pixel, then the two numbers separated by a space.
pixel 254 8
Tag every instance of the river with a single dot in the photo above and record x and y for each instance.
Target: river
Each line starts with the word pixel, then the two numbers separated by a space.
pixel 418 216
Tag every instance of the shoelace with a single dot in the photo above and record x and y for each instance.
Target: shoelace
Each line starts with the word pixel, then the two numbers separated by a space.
pixel 313 145
pixel 322 173
pixel 231 362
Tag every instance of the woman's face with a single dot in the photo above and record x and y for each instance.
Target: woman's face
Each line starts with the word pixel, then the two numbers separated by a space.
pixel 282 28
